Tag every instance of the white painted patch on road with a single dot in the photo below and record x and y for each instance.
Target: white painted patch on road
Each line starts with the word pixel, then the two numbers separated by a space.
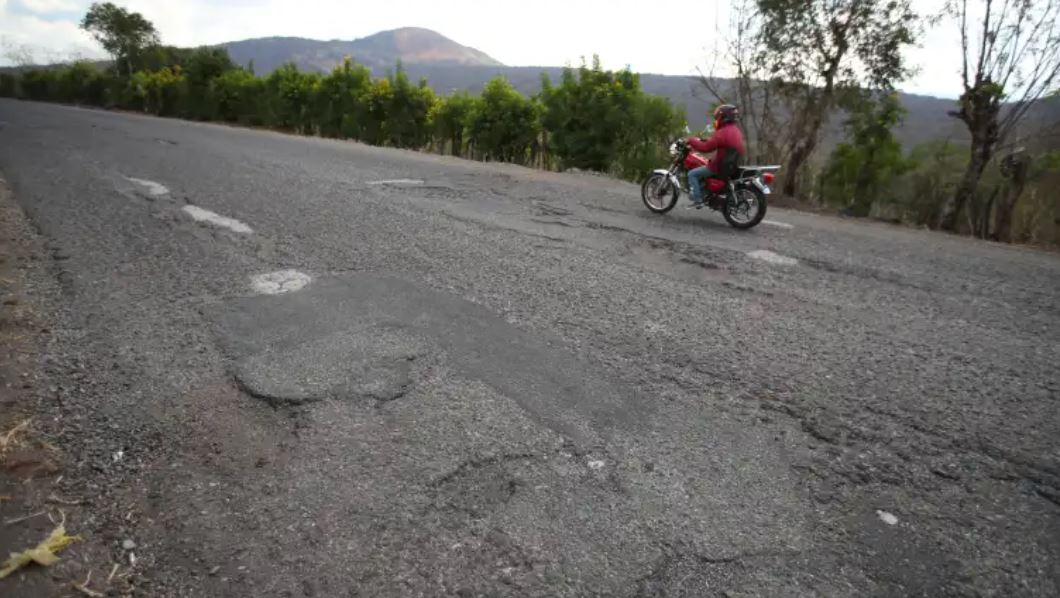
pixel 773 258
pixel 204 215
pixel 596 465
pixel 278 283
pixel 886 517
pixel 783 225
pixel 152 187
pixel 397 182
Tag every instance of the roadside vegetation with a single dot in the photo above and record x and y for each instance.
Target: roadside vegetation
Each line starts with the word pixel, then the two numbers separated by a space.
pixel 791 66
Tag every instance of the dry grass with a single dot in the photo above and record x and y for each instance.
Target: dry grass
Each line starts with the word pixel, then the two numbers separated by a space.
pixel 16 437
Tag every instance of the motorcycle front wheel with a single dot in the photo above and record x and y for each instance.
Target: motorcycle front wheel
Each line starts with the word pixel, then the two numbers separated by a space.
pixel 746 208
pixel 658 193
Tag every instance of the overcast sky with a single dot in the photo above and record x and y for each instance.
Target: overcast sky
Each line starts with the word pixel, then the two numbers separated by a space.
pixel 542 32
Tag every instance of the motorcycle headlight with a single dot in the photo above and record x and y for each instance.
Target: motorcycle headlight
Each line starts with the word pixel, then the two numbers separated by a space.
pixel 673 149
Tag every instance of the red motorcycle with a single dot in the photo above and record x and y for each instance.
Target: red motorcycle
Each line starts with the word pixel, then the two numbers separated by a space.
pixel 741 198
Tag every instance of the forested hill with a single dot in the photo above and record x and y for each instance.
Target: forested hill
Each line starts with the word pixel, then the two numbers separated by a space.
pixel 449 66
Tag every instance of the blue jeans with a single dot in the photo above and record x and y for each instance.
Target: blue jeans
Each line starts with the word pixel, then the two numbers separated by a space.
pixel 696 177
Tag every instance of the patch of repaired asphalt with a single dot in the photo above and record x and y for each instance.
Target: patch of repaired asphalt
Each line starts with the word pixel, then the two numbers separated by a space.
pixel 367 363
pixel 357 336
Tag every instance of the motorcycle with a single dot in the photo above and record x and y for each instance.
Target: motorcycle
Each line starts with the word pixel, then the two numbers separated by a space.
pixel 741 198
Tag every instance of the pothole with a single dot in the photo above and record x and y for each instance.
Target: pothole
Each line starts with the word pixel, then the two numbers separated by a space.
pixel 545 209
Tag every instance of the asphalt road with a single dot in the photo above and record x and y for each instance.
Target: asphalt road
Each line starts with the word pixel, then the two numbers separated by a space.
pixel 483 380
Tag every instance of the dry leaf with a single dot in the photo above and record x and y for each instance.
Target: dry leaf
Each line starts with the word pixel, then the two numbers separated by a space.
pixel 42 554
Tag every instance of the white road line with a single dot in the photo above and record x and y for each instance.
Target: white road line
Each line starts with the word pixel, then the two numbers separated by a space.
pixel 778 224
pixel 773 258
pixel 203 215
pixel 152 187
pixel 397 182
pixel 277 283
pixel 886 517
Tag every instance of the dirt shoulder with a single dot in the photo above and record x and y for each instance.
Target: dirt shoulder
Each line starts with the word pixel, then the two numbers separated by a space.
pixel 34 500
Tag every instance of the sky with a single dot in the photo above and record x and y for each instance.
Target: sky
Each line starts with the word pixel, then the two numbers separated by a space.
pixel 539 33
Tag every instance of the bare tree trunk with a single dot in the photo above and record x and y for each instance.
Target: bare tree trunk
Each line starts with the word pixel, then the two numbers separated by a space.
pixel 797 159
pixel 1005 212
pixel 1015 167
pixel 984 221
pixel 980 156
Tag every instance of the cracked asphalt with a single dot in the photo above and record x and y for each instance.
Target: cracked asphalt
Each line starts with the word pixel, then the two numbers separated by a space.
pixel 505 382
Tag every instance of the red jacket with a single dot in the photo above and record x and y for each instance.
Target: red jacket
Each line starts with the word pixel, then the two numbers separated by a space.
pixel 727 138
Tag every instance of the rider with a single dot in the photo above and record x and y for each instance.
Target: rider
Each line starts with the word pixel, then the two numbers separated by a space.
pixel 728 145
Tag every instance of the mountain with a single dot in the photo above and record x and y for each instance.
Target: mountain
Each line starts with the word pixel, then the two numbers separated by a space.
pixel 410 45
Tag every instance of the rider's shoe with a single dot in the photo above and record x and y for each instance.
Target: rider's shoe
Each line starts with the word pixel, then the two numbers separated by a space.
pixel 695 205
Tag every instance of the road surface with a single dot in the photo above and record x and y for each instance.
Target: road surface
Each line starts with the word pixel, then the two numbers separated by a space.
pixel 287 366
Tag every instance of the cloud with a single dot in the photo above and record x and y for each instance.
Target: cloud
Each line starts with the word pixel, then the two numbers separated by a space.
pixel 47 40
pixel 50 6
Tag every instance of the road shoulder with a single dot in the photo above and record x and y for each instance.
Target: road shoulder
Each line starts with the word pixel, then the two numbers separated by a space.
pixel 34 502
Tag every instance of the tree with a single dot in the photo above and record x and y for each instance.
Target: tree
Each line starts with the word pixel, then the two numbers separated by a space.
pixel 8 85
pixel 752 86
pixel 201 68
pixel 586 114
pixel 820 49
pixel 652 124
pixel 503 125
pixel 1012 54
pixel 289 97
pixel 81 82
pixel 236 96
pixel 158 92
pixel 408 111
pixel 123 34
pixel 858 170
pixel 449 120
pixel 341 98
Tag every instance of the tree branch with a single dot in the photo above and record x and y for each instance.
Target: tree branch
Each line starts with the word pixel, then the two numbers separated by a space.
pixel 964 41
pixel 982 50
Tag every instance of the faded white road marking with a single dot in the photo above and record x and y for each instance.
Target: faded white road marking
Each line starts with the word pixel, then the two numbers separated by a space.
pixel 773 258
pixel 778 224
pixel 596 464
pixel 152 187
pixel 277 283
pixel 886 517
pixel 204 215
pixel 397 182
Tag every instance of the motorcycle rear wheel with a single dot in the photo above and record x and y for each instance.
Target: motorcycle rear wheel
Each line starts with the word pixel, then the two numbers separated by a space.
pixel 737 210
pixel 658 193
